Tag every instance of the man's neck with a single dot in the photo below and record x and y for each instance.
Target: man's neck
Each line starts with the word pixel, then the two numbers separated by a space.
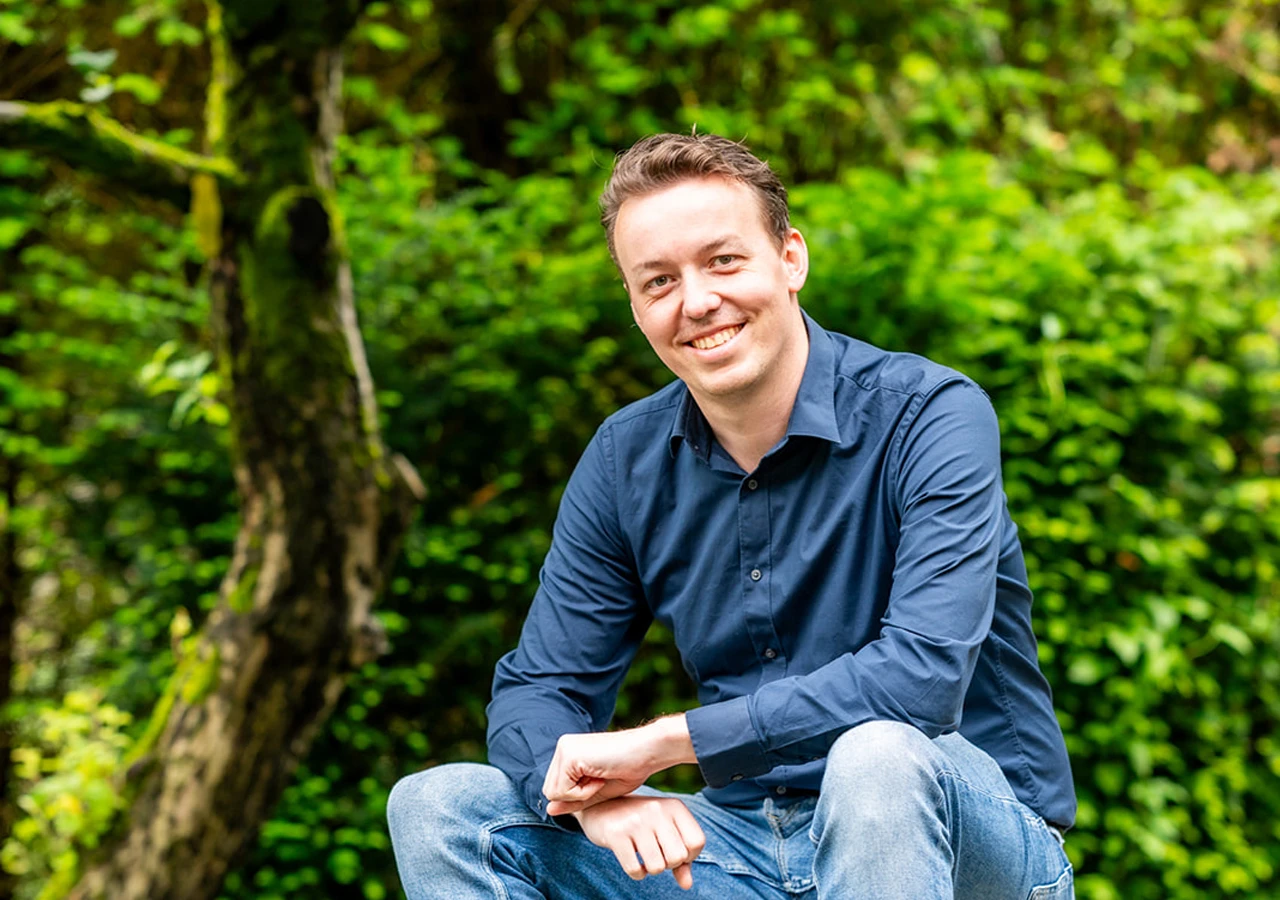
pixel 749 427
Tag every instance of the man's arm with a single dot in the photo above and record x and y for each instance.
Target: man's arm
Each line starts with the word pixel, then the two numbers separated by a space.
pixel 578 641
pixel 580 636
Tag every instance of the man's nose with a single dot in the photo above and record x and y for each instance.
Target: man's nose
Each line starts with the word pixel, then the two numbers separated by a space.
pixel 700 297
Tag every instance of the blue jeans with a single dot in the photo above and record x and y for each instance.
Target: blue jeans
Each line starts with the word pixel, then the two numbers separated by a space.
pixel 899 816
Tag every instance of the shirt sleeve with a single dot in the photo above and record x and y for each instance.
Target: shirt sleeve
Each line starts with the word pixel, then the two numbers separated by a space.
pixel 582 632
pixel 948 500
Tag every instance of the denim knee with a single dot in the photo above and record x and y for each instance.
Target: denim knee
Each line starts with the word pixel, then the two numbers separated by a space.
pixel 445 794
pixel 880 760
pixel 879 744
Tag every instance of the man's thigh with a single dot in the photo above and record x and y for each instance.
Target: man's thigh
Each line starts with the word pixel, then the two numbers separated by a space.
pixel 1001 844
pixel 548 862
pixel 462 832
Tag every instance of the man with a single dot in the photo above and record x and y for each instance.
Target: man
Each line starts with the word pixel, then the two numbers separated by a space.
pixel 822 526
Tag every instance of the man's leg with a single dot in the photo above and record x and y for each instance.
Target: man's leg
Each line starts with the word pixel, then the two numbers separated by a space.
pixel 462 832
pixel 901 816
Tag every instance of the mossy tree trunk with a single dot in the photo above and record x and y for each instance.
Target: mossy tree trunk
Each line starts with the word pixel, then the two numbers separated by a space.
pixel 323 505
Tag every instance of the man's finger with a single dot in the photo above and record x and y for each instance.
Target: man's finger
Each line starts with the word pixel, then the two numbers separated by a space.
pixel 690 831
pixel 650 852
pixel 564 807
pixel 684 876
pixel 627 858
pixel 606 790
pixel 673 846
pixel 587 787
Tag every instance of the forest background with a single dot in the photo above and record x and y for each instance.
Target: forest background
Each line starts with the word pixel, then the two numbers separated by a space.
pixel 1076 202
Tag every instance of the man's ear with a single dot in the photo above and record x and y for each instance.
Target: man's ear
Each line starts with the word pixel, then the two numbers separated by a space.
pixel 795 257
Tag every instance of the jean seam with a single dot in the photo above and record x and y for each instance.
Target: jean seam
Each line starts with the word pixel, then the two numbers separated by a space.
pixel 1065 877
pixel 486 859
pixel 956 776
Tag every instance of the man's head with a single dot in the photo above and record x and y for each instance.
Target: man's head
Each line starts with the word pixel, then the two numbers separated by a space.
pixel 698 228
pixel 663 160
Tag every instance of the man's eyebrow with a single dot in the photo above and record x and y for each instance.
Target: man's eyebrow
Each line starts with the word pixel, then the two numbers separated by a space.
pixel 719 243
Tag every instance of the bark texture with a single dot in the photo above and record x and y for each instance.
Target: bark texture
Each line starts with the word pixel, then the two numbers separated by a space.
pixel 323 504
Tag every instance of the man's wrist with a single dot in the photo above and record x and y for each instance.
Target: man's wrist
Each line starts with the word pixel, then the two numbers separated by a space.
pixel 671 743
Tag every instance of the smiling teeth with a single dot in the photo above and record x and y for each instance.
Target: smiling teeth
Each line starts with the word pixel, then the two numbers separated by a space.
pixel 715 340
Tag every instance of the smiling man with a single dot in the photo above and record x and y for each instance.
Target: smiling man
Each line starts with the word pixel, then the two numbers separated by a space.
pixel 822 526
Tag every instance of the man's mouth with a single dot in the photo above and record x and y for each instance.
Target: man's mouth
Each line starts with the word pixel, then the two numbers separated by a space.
pixel 711 341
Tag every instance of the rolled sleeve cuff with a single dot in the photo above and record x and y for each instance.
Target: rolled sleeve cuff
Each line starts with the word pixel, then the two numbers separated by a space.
pixel 726 742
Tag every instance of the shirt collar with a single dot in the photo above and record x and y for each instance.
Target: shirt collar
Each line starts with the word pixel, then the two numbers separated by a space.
pixel 813 415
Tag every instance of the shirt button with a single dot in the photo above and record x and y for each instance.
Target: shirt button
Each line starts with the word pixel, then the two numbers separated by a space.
pixel 770 653
pixel 756 574
pixel 781 789
pixel 736 778
pixel 753 484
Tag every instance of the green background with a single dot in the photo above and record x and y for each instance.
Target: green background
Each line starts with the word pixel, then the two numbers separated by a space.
pixel 1076 203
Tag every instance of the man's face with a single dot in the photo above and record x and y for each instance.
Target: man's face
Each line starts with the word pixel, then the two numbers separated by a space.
pixel 710 287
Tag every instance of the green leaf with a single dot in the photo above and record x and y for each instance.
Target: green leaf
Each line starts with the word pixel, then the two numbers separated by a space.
pixel 384 37
pixel 13 27
pixel 90 61
pixel 142 87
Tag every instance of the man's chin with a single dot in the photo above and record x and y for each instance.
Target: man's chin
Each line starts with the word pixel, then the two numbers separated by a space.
pixel 726 385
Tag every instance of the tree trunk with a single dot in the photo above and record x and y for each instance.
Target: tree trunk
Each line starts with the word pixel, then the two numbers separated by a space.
pixel 323 505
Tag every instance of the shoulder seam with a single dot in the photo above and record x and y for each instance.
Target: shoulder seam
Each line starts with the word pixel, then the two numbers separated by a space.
pixel 918 400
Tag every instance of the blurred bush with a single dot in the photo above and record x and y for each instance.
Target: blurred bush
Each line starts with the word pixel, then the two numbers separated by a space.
pixel 1069 202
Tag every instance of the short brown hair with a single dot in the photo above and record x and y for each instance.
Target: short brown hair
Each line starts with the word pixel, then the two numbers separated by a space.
pixel 662 160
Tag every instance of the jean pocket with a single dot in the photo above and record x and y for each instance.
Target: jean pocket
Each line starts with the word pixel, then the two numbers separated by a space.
pixel 1062 889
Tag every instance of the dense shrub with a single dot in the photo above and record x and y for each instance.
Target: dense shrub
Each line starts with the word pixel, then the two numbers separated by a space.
pixel 1123 313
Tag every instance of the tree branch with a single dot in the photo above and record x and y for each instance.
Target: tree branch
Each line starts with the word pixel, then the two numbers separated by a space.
pixel 96 143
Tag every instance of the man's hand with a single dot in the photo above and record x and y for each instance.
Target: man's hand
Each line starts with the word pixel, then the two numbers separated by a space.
pixel 590 768
pixel 660 829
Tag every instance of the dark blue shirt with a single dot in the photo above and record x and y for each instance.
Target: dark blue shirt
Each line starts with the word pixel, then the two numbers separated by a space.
pixel 867 569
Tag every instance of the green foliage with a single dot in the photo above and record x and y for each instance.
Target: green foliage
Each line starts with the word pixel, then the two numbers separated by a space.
pixel 1021 191
pixel 123 493
pixel 1066 91
pixel 68 757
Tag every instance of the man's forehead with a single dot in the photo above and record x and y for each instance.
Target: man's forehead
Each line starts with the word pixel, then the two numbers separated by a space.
pixel 689 189
pixel 694 213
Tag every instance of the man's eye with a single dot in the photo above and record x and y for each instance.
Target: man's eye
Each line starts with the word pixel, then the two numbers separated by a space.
pixel 659 282
pixel 725 259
